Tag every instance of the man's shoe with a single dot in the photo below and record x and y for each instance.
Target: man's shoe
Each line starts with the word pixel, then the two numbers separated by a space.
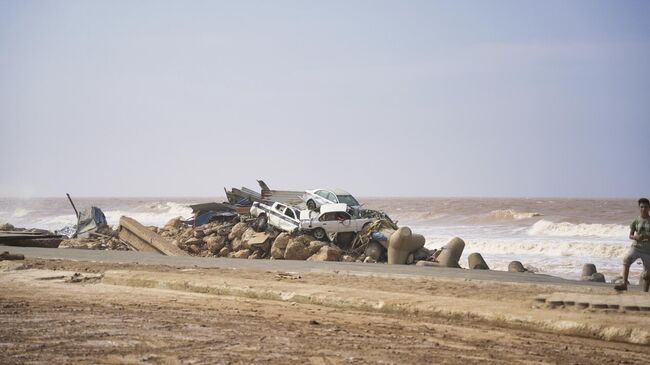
pixel 620 287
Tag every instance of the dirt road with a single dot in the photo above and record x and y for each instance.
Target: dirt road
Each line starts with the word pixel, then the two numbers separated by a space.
pixel 50 320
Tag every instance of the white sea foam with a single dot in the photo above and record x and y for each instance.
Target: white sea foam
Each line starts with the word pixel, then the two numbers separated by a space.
pixel 559 257
pixel 578 249
pixel 565 229
pixel 507 214
pixel 20 212
pixel 550 248
pixel 154 214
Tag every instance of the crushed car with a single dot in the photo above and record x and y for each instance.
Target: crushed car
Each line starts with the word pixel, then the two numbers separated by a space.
pixel 332 219
pixel 281 216
pixel 314 199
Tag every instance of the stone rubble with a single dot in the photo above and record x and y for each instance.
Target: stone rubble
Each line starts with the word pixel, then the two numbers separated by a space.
pixel 241 238
pixel 104 239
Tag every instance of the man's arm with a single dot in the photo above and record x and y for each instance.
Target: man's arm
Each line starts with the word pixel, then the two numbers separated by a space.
pixel 633 236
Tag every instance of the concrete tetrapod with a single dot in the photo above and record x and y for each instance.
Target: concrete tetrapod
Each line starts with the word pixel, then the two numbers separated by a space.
pixel 449 256
pixel 401 244
pixel 516 266
pixel 588 270
pixel 476 262
pixel 596 277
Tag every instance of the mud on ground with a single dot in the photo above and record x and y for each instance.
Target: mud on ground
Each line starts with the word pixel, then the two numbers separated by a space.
pixel 51 321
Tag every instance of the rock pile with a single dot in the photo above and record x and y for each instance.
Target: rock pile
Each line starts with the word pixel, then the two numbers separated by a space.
pixel 241 240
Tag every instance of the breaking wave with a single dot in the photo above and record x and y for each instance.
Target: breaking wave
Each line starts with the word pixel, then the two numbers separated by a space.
pixel 154 214
pixel 20 212
pixel 565 229
pixel 508 214
pixel 561 248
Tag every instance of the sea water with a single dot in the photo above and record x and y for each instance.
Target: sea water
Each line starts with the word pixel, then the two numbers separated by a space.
pixel 552 236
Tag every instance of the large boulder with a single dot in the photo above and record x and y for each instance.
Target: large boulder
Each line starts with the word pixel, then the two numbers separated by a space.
pixel 236 244
pixel 315 246
pixel 297 249
pixel 224 252
pixel 280 245
pixel 238 230
pixel 248 233
pixel 174 223
pixel 326 253
pixel 215 243
pixel 241 254
pixel 375 250
pixel 259 242
pixel 194 241
pixel 256 255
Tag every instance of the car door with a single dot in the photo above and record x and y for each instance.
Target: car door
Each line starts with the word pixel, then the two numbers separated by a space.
pixel 359 223
pixel 277 210
pixel 344 222
pixel 328 222
pixel 292 221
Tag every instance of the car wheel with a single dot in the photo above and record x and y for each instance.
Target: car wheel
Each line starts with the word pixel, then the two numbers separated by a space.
pixel 311 205
pixel 261 223
pixel 319 234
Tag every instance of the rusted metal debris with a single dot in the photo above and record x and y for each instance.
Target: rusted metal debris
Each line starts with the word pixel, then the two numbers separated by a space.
pixel 246 196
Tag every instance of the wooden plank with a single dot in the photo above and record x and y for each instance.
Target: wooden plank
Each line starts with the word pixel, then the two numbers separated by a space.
pixel 159 242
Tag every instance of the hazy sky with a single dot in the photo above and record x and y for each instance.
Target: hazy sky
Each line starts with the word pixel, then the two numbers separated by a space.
pixel 381 98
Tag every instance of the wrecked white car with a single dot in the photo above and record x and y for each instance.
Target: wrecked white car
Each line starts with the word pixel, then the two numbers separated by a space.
pixel 333 218
pixel 315 198
pixel 278 215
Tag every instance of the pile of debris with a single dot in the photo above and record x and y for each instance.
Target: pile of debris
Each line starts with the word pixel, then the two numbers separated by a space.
pixel 93 232
pixel 102 238
pixel 240 240
pixel 316 225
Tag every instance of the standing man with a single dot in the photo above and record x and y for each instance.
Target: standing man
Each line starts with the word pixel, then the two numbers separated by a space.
pixel 640 233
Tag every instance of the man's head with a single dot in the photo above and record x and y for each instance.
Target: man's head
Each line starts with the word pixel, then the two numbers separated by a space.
pixel 644 207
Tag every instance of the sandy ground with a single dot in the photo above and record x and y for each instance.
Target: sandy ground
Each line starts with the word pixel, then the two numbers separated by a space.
pixel 53 320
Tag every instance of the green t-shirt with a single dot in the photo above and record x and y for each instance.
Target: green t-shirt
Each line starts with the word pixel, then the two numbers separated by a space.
pixel 641 226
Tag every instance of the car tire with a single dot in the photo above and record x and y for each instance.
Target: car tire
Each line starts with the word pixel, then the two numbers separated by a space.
pixel 261 223
pixel 311 205
pixel 319 234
